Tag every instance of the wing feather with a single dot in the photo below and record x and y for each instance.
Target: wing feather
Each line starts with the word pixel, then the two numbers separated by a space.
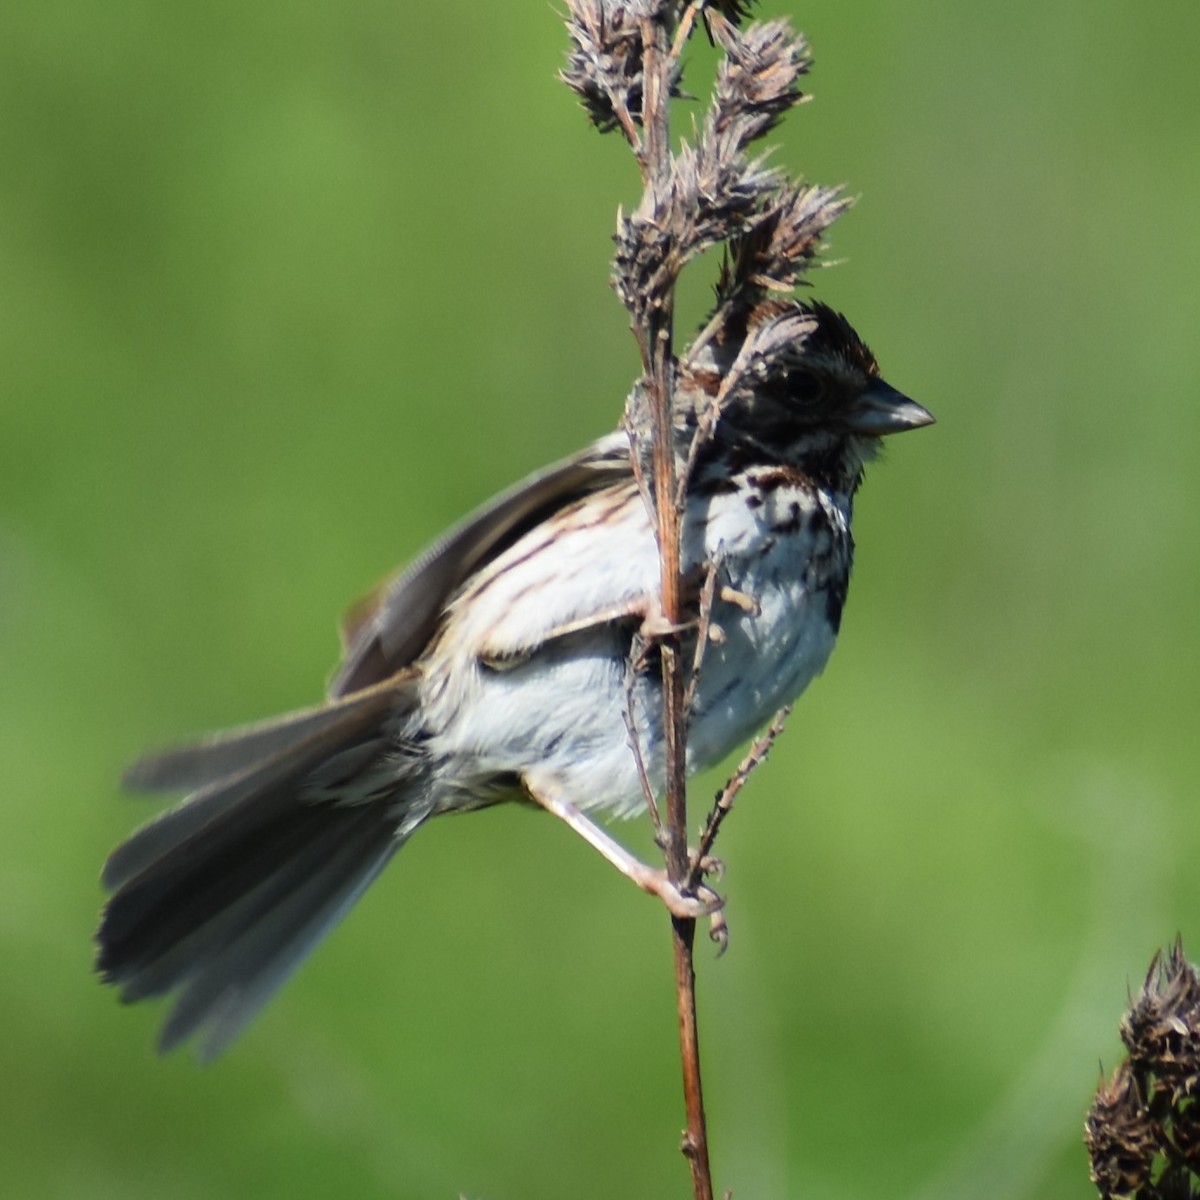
pixel 386 633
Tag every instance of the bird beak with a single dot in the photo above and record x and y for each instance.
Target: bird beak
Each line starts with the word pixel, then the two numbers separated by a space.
pixel 881 410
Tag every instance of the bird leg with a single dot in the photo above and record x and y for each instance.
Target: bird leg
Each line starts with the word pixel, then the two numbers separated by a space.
pixel 706 902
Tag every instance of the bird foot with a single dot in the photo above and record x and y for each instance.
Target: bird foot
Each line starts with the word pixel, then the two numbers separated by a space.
pixel 710 867
pixel 688 906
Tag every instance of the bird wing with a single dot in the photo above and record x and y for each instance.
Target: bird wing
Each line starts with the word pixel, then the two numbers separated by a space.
pixel 590 564
pixel 388 630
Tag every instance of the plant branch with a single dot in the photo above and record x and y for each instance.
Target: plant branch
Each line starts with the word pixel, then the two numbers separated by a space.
pixel 659 370
pixel 624 64
pixel 633 668
pixel 723 805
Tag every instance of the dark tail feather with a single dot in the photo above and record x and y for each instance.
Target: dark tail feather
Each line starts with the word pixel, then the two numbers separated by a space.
pixel 234 751
pixel 230 769
pixel 222 898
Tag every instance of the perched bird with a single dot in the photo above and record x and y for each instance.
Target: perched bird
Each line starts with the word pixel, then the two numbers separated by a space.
pixel 497 667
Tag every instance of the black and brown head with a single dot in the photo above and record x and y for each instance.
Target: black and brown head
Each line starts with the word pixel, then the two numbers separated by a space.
pixel 830 378
pixel 804 389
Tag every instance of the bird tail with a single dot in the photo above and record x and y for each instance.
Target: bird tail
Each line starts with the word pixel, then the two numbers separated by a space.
pixel 221 898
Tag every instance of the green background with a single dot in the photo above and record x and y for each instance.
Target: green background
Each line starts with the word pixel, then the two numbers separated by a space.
pixel 285 290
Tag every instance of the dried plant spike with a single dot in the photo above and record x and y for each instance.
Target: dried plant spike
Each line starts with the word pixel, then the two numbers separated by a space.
pixel 708 193
pixel 735 11
pixel 776 253
pixel 1120 1137
pixel 605 64
pixel 1143 1129
pixel 1161 1029
pixel 725 194
pixel 757 78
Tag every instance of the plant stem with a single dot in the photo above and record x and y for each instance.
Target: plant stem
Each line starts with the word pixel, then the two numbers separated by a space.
pixel 660 367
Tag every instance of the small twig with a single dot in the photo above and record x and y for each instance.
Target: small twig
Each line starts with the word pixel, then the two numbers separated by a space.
pixel 708 594
pixel 629 129
pixel 723 805
pixel 632 670
pixel 684 32
pixel 712 327
pixel 706 426
pixel 635 461
pixel 763 352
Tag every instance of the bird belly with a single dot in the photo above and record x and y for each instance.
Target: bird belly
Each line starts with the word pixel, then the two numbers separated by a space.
pixel 562 713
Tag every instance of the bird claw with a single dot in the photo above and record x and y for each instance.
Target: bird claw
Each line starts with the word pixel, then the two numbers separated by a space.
pixel 718 931
pixel 687 906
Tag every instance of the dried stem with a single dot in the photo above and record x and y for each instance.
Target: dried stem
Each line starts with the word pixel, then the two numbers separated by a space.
pixel 658 362
pixel 755 757
pixel 633 668
pixel 704 631
pixel 624 64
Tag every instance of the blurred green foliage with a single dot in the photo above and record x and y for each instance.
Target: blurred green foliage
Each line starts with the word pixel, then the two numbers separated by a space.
pixel 284 290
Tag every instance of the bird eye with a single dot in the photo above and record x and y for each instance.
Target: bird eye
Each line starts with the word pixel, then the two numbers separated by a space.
pixel 804 386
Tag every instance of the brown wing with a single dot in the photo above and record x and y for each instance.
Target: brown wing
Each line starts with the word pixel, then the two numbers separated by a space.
pixel 384 632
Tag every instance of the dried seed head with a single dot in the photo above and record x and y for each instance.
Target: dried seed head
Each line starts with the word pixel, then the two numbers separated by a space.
pixel 605 63
pixel 1143 1129
pixel 1161 1030
pixel 757 79
pixel 780 247
pixel 710 193
pixel 1120 1136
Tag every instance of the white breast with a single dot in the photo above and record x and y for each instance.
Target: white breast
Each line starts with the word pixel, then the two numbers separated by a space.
pixel 501 699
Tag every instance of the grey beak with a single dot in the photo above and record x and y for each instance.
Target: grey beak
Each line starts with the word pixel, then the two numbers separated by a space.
pixel 882 410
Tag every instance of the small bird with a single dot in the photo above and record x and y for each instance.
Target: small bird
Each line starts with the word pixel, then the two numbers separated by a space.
pixel 497 667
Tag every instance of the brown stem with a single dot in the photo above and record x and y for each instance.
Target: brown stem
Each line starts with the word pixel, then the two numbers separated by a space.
pixel 660 366
pixel 637 650
pixel 695 1140
pixel 723 805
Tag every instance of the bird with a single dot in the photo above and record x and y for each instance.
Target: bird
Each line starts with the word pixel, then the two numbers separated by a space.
pixel 513 660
